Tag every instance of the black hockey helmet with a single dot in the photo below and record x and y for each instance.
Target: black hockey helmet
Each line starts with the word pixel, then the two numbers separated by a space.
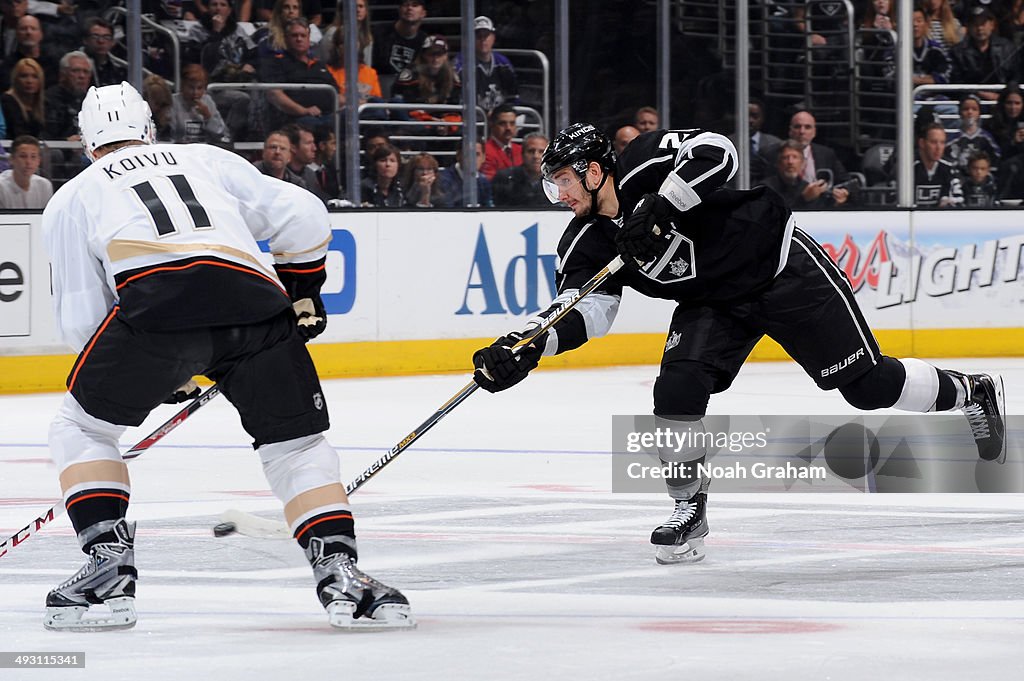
pixel 575 147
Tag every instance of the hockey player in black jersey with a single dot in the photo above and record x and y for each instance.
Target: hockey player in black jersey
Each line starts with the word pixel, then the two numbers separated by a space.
pixel 739 269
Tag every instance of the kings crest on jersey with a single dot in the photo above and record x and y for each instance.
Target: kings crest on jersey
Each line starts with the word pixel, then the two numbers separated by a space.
pixel 727 243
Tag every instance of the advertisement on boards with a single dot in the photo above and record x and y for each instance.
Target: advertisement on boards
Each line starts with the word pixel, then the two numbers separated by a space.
pixel 15 275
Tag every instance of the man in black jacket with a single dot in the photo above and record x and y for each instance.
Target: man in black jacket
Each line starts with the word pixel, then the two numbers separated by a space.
pixel 983 56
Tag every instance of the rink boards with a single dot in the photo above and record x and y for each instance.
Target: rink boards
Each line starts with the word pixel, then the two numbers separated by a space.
pixel 418 292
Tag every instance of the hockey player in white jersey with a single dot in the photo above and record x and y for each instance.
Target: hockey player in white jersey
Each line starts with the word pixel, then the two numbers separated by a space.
pixel 157 278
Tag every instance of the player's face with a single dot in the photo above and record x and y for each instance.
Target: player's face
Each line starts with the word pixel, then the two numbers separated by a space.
pixel 26 159
pixel 504 128
pixel 565 186
pixel 802 128
pixel 1013 105
pixel 978 171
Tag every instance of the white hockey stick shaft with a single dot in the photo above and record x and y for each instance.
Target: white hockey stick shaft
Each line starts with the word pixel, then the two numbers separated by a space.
pixel 170 424
pixel 258 526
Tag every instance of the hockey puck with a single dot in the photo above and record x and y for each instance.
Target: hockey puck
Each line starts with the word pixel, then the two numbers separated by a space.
pixel 224 529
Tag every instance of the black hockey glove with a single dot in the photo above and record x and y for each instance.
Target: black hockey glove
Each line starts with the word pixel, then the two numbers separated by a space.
pixel 498 368
pixel 185 393
pixel 312 320
pixel 302 281
pixel 646 233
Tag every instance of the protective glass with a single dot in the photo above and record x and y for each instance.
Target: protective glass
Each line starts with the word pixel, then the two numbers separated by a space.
pixel 553 188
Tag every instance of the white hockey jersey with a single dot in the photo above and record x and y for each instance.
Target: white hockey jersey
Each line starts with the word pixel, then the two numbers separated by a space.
pixel 168 232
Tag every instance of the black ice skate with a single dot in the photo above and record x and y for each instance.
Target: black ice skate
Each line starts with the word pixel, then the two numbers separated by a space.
pixel 984 407
pixel 680 539
pixel 354 600
pixel 107 579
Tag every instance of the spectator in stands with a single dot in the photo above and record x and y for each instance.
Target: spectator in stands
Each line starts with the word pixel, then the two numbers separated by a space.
pixel 984 57
pixel 943 27
pixel 453 177
pixel 158 95
pixel 384 189
pixel 421 175
pixel 501 152
pixel 979 186
pixel 324 167
pixel 931 66
pixel 970 138
pixel 207 9
pixel 1007 122
pixel 396 45
pixel 496 81
pixel 311 9
pixel 229 56
pixel 763 145
pixel 646 119
pixel 24 102
pixel 194 115
pixel 364 31
pixel 13 11
pixel 21 187
pixel 277 154
pixel 371 142
pixel 936 184
pixel 30 45
pixel 99 39
pixel 64 100
pixel 368 80
pixel 273 39
pixel 430 78
pixel 303 153
pixel 522 186
pixel 623 136
pixel 879 16
pixel 821 161
pixel 788 180
pixel 306 107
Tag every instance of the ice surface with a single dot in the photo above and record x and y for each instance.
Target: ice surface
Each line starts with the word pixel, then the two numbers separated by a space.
pixel 519 562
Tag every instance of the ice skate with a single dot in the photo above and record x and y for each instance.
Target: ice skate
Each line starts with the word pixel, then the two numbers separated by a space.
pixel 355 601
pixel 107 579
pixel 984 408
pixel 680 539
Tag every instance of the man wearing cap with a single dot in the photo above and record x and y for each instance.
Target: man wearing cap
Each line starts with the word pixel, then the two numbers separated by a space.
pixel 496 81
pixel 396 46
pixel 983 56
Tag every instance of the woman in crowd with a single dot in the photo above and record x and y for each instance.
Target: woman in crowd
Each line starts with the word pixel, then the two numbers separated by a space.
pixel 23 102
pixel 363 31
pixel 946 30
pixel 158 95
pixel 270 39
pixel 384 189
pixel 420 179
pixel 194 115
pixel 1007 122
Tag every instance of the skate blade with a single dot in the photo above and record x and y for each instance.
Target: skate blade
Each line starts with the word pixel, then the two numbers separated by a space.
pixel 121 616
pixel 688 552
pixel 387 617
pixel 1001 402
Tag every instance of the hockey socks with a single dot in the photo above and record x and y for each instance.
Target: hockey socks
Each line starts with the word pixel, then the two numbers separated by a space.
pixel 333 525
pixel 94 507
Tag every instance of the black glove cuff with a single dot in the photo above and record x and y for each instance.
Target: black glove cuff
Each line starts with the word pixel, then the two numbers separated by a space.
pixel 303 279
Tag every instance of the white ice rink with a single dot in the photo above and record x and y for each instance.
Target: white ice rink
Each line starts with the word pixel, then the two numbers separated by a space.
pixel 519 562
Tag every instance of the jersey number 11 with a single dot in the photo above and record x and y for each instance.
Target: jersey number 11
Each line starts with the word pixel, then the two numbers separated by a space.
pixel 158 211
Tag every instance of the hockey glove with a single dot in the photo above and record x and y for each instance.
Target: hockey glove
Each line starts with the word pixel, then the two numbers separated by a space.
pixel 312 320
pixel 302 281
pixel 646 234
pixel 189 391
pixel 498 368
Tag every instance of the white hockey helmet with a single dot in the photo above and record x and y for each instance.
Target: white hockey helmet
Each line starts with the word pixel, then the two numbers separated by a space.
pixel 114 113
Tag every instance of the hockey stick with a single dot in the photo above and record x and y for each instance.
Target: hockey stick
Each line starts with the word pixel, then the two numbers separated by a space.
pixel 33 527
pixel 245 523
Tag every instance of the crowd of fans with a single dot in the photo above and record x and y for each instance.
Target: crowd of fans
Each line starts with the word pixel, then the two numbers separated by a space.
pixel 53 51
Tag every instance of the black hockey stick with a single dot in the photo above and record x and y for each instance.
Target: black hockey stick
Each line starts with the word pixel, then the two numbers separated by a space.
pixel 33 527
pixel 245 523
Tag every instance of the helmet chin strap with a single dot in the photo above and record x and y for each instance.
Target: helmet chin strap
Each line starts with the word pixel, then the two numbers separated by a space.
pixel 593 192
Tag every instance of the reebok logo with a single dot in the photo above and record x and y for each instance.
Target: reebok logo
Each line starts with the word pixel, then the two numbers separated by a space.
pixel 839 366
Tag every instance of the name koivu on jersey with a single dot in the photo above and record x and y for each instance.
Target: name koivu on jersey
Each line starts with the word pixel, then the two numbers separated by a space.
pixel 139 161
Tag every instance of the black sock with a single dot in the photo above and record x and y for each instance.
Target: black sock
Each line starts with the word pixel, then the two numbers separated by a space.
pixel 946 399
pixel 335 527
pixel 91 506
